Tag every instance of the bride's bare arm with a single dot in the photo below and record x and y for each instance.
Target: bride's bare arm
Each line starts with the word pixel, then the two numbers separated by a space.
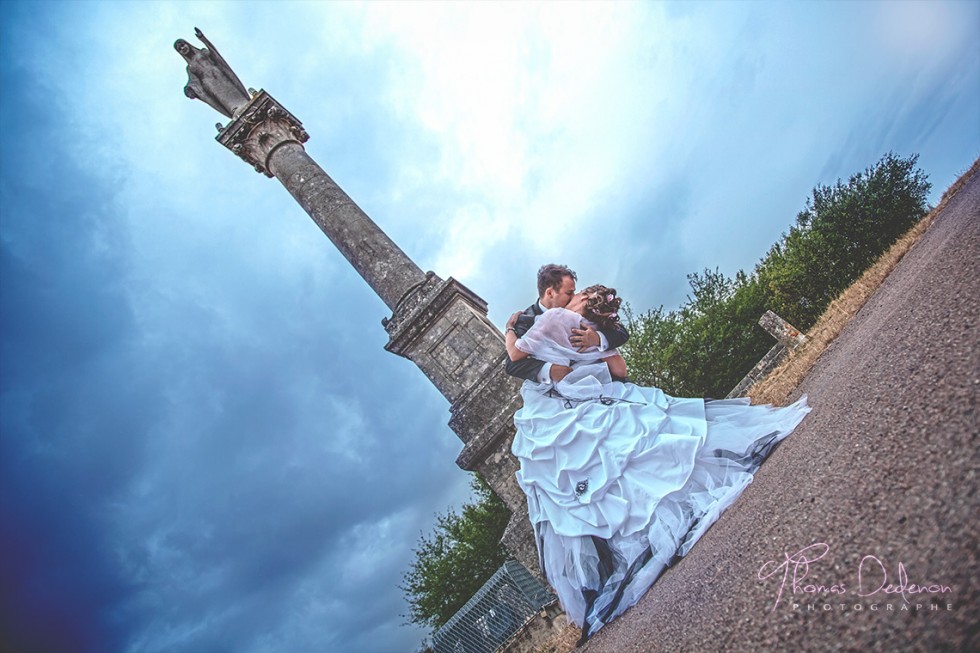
pixel 617 366
pixel 512 350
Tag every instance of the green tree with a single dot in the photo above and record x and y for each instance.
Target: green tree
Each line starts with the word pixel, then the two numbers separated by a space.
pixel 456 559
pixel 706 346
pixel 712 340
pixel 841 232
pixel 653 337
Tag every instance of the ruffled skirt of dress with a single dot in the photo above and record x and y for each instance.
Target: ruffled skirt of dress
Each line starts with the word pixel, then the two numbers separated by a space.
pixel 622 480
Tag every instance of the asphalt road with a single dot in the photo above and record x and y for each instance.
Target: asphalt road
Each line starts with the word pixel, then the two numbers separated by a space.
pixel 881 478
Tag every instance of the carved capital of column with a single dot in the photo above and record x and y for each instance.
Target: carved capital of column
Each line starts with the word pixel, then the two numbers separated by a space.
pixel 258 129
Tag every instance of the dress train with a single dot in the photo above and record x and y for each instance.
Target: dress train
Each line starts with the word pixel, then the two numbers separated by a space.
pixel 622 480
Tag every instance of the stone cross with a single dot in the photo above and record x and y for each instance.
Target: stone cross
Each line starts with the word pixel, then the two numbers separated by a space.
pixel 438 324
pixel 789 340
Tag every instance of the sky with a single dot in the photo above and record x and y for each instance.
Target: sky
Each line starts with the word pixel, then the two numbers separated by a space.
pixel 203 445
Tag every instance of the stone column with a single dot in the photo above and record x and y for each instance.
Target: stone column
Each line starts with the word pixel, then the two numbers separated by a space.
pixel 271 139
pixel 438 324
pixel 789 340
pixel 442 327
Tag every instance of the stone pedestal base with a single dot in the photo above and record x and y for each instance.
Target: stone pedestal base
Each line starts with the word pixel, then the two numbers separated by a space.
pixel 519 540
pixel 442 327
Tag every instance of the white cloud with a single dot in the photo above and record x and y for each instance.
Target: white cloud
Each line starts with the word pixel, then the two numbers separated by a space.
pixel 536 109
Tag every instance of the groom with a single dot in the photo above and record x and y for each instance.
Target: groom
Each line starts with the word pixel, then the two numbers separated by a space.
pixel 556 285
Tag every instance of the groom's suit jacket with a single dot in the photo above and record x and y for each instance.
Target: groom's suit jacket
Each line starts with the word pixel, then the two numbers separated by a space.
pixel 529 368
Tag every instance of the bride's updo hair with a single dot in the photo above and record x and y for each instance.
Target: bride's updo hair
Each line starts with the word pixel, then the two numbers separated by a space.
pixel 602 306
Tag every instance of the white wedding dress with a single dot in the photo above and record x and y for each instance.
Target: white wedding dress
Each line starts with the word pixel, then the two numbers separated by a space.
pixel 621 480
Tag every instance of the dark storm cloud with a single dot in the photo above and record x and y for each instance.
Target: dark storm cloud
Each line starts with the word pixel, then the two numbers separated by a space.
pixel 67 439
pixel 187 446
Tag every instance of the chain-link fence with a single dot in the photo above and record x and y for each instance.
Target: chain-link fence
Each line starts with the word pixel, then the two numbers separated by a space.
pixel 499 609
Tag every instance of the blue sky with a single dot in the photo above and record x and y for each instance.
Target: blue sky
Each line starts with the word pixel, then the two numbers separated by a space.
pixel 204 445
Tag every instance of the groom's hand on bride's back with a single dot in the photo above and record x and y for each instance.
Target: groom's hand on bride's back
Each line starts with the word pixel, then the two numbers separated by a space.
pixel 584 337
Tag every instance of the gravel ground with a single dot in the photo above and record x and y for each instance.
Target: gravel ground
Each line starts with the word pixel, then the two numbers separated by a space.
pixel 886 465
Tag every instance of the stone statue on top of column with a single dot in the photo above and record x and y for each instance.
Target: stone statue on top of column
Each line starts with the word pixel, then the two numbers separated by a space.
pixel 210 78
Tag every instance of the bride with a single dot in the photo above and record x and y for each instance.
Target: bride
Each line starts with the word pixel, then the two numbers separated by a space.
pixel 622 480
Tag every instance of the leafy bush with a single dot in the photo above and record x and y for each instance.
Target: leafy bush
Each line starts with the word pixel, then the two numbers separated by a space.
pixel 706 346
pixel 696 350
pixel 841 232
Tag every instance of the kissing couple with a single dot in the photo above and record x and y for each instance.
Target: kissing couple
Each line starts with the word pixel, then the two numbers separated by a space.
pixel 621 479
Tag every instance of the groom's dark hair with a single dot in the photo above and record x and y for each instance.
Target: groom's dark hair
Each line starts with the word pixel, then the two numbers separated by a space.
pixel 550 276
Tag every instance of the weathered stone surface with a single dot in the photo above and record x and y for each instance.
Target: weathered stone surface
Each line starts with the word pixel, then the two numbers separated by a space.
pixel 260 127
pixel 448 335
pixel 787 334
pixel 499 467
pixel 210 78
pixel 546 624
pixel 442 327
pixel 376 258
pixel 767 364
pixel 789 337
pixel 412 303
pixel 519 540
pixel 484 416
pixel 270 139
